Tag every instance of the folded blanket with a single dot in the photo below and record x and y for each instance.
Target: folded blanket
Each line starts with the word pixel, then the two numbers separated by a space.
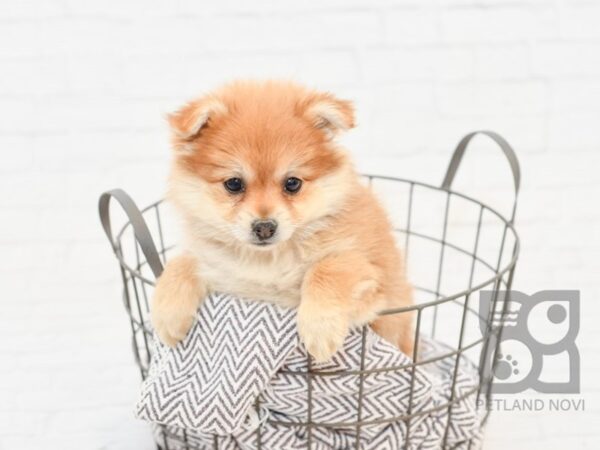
pixel 242 367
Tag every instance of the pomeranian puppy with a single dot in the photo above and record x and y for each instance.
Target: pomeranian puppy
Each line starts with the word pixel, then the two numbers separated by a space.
pixel 273 209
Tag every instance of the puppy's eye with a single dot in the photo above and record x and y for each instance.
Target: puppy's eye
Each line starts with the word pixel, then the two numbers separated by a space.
pixel 234 185
pixel 292 185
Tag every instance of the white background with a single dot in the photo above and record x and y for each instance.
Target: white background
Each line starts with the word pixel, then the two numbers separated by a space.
pixel 84 86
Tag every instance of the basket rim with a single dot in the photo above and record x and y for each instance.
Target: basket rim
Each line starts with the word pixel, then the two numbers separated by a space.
pixel 499 272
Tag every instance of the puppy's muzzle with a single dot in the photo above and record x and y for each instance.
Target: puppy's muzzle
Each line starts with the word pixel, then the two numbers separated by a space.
pixel 264 229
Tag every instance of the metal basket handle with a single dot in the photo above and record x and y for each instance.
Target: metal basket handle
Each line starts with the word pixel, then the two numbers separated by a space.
pixel 140 229
pixel 506 149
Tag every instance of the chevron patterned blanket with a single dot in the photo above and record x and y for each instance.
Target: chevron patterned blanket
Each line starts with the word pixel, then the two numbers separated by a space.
pixel 238 370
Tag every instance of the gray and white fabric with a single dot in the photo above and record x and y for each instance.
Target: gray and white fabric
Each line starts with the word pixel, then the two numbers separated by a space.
pixel 240 368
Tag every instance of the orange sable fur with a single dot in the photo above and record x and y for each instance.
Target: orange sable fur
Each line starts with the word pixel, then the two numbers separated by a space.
pixel 333 254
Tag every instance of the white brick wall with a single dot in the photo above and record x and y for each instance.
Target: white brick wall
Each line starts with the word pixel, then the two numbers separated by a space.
pixel 84 86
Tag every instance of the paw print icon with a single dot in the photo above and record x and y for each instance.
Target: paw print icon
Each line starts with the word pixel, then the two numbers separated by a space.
pixel 537 348
pixel 505 367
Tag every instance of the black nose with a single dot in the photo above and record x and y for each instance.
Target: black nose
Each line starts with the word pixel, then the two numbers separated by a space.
pixel 264 229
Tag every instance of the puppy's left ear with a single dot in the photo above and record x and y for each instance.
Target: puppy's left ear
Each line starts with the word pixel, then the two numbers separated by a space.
pixel 330 114
pixel 187 123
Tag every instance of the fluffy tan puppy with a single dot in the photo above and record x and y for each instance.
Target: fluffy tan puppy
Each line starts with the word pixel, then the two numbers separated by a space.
pixel 272 209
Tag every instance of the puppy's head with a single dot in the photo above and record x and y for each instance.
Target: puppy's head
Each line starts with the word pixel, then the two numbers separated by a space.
pixel 256 164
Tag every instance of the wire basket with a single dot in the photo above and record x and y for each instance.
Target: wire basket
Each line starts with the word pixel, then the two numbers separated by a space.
pixel 456 248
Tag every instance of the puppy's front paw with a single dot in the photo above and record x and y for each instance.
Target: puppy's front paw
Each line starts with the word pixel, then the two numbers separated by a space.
pixel 322 332
pixel 176 299
pixel 171 322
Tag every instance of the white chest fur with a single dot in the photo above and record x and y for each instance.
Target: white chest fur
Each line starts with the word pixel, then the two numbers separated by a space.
pixel 274 277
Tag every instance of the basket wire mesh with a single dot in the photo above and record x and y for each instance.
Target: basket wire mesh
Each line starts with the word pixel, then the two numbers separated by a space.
pixel 141 247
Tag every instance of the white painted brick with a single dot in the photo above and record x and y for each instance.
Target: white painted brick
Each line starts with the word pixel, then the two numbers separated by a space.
pixel 492 98
pixel 22 35
pixel 27 9
pixel 344 68
pixel 526 132
pixel 502 24
pixel 159 75
pixel 575 95
pixel 22 423
pixel 579 21
pixel 502 62
pixel 403 107
pixel 412 26
pixel 130 9
pixel 417 63
pixel 193 34
pixel 109 113
pixel 18 224
pixel 32 190
pixel 78 35
pixel 88 74
pixel 321 30
pixel 232 65
pixel 16 153
pixel 52 152
pixel 411 127
pixel 562 59
pixel 16 117
pixel 302 66
pixel 573 174
pixel 291 6
pixel 573 131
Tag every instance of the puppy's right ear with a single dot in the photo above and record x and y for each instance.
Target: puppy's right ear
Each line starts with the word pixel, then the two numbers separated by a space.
pixel 188 122
pixel 328 113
